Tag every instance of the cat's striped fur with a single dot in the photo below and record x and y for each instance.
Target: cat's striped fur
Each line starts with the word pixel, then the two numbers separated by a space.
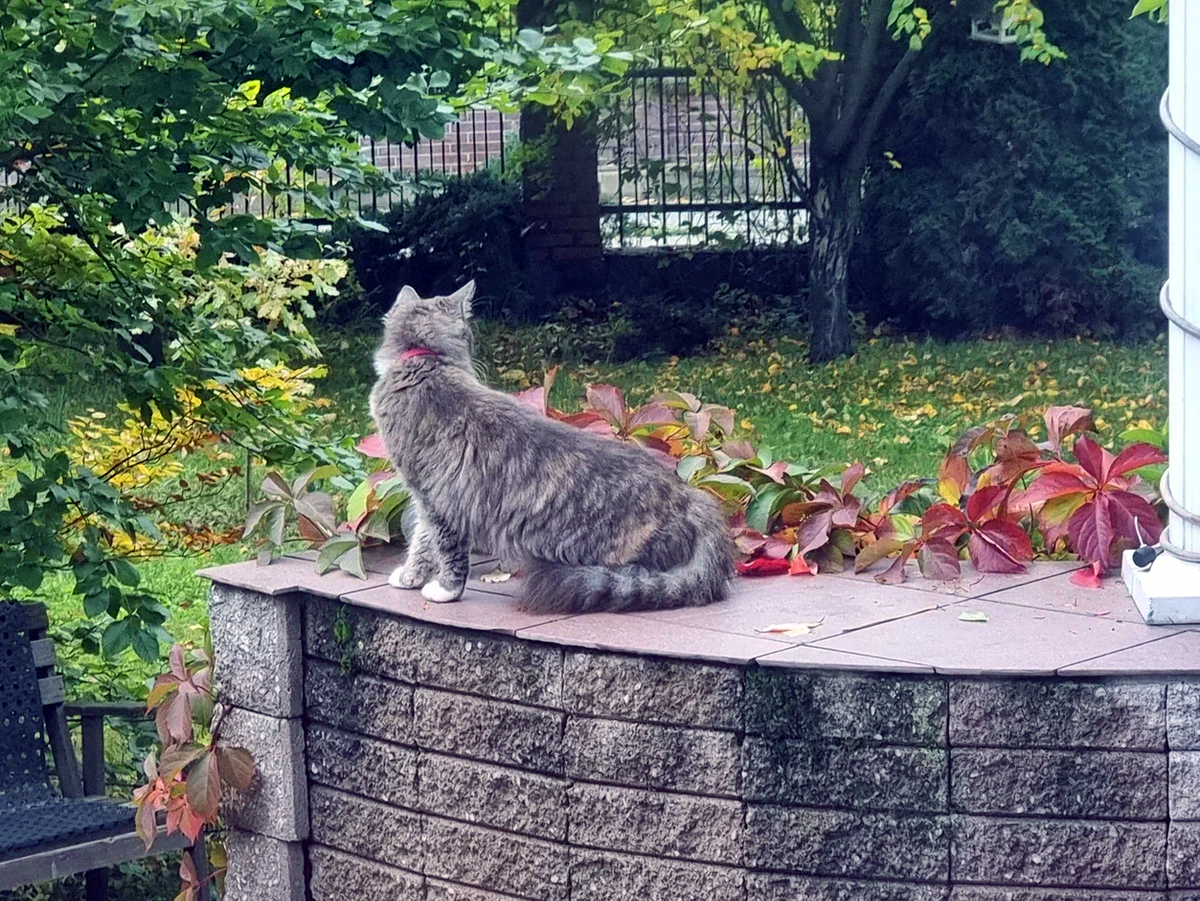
pixel 595 524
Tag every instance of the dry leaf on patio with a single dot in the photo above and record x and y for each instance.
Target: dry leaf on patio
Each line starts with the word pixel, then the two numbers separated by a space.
pixel 791 630
pixel 496 575
pixel 973 616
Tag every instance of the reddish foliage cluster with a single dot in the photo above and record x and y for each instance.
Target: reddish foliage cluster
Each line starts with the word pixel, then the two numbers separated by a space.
pixel 999 498
pixel 996 491
pixel 187 780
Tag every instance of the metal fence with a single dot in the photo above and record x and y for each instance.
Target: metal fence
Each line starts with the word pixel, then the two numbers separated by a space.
pixel 479 140
pixel 685 163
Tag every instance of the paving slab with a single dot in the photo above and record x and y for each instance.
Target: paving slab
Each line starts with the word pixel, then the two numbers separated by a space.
pixel 827 607
pixel 476 610
pixel 640 635
pixel 1176 654
pixel 1057 593
pixel 1014 641
pixel 972 584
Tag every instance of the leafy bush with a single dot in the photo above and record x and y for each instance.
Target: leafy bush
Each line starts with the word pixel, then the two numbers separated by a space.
pixel 187 780
pixel 461 229
pixel 1023 196
pixel 94 496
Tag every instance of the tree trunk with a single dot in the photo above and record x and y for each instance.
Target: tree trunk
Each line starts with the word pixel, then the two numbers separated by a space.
pixel 833 222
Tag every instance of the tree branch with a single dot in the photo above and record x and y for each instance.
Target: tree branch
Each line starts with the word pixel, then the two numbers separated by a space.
pixel 866 134
pixel 799 92
pixel 858 78
pixel 788 22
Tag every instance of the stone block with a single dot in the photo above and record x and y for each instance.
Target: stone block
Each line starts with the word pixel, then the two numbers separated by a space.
pixel 365 766
pixel 1183 715
pixel 605 876
pixel 645 756
pixel 771 887
pixel 256 640
pixel 1036 852
pixel 828 774
pixel 494 796
pixel 1084 784
pixel 652 690
pixel 1183 856
pixel 496 861
pixel 1009 893
pixel 356 702
pixel 1185 785
pixel 855 845
pixel 898 710
pixel 262 868
pixel 656 823
pixel 437 890
pixel 379 644
pixel 367 829
pixel 337 876
pixel 276 804
pixel 1128 716
pixel 492 731
pixel 491 666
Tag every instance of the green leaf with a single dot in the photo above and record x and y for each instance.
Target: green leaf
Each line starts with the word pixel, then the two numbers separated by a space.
pixel 766 502
pixel 118 636
pixel 124 572
pixel 313 475
pixel 687 468
pixel 255 517
pixel 356 506
pixel 332 549
pixel 95 604
pixel 352 562
pixel 530 39
pixel 276 521
pixel 145 645
pixel 727 486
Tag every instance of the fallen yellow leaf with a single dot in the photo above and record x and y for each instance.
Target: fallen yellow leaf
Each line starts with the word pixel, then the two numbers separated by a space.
pixel 791 630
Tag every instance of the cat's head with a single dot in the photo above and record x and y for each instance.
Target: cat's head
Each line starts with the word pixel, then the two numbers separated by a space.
pixel 438 324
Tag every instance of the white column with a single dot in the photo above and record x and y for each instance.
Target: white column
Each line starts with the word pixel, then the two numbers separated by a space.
pixel 1169 591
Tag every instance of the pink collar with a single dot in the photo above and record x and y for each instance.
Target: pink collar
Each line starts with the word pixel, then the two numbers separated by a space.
pixel 418 352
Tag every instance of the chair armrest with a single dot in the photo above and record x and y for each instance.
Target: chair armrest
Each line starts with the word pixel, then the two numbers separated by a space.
pixel 92 714
pixel 126 710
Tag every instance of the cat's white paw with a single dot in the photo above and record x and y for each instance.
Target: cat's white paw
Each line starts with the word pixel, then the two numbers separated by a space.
pixel 439 595
pixel 401 577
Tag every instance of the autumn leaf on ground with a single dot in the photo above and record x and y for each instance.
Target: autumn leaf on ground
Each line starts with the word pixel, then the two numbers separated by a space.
pixel 764 566
pixel 496 575
pixel 791 630
pixel 1089 577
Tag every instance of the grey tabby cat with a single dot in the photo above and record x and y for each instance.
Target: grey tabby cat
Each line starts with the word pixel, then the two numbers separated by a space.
pixel 595 524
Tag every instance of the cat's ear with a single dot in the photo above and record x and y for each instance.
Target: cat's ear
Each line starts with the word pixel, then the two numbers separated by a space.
pixel 405 298
pixel 460 300
pixel 407 295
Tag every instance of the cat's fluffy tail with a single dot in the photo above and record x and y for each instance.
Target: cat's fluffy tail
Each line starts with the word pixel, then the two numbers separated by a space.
pixel 704 579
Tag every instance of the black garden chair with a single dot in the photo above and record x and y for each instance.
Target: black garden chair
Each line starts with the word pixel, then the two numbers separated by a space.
pixel 47 834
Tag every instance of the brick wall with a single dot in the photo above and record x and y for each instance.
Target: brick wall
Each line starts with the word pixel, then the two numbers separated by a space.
pixel 456 764
pixel 478 767
pixel 562 204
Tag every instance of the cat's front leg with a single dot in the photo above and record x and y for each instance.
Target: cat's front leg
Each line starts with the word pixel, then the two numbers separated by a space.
pixel 454 554
pixel 421 561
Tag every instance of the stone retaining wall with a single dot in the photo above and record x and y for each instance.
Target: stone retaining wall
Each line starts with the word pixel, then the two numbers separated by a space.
pixel 462 765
